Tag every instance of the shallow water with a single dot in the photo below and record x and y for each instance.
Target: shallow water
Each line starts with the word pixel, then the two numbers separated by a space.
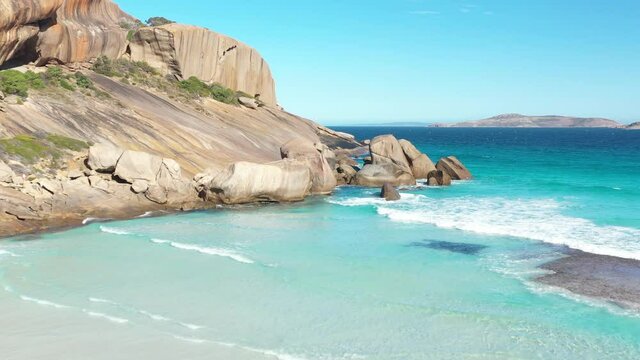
pixel 441 274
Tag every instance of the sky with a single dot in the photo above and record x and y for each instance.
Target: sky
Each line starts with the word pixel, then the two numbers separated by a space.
pixel 359 62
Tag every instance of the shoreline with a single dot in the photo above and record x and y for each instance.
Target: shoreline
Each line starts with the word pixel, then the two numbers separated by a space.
pixel 601 277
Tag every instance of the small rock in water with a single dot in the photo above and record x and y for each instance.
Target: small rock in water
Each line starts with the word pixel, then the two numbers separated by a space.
pixel 389 192
pixel 460 248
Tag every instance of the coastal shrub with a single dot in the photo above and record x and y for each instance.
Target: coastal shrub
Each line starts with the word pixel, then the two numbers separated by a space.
pixel 130 35
pixel 223 94
pixel 30 148
pixel 104 66
pixel 54 74
pixel 26 147
pixel 68 143
pixel 14 82
pixel 159 21
pixel 122 67
pixel 66 85
pixel 195 86
pixel 82 81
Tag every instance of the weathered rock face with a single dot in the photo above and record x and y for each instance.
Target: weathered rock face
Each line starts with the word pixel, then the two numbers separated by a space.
pixel 136 165
pixel 388 164
pixel 438 178
pixel 186 51
pixel 245 182
pixel 386 149
pixel 66 31
pixel 103 157
pixel 389 192
pixel 377 175
pixel 322 179
pixel 452 166
pixel 6 174
pixel 420 163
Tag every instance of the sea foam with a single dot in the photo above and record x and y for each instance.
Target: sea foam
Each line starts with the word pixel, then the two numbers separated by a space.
pixel 206 250
pixel 534 219
pixel 43 302
pixel 113 319
pixel 115 231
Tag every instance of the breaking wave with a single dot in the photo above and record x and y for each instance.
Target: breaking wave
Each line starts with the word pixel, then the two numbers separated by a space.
pixel 206 250
pixel 534 219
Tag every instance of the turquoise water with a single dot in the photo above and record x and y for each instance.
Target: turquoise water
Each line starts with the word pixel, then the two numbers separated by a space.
pixel 442 274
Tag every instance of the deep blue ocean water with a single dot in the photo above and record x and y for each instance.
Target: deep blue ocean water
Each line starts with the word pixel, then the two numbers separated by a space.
pixel 445 273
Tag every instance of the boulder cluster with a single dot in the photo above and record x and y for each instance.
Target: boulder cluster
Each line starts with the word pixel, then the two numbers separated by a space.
pixel 399 163
pixel 305 169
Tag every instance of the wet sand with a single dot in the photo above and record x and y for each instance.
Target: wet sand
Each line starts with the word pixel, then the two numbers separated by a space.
pixel 607 278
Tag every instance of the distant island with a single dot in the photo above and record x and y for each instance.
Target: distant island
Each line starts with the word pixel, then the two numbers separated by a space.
pixel 546 121
pixel 634 126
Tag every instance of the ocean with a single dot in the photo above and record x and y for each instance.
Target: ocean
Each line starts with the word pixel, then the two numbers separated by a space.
pixel 445 273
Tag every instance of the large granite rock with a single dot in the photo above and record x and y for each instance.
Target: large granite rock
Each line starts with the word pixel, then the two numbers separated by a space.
pixel 245 182
pixel 322 178
pixel 62 30
pixel 386 149
pixel 6 174
pixel 388 164
pixel 389 193
pixel 438 178
pixel 103 157
pixel 137 165
pixel 377 175
pixel 454 168
pixel 185 51
pixel 421 164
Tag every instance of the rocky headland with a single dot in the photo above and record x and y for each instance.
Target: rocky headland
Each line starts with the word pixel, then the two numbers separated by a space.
pixel 546 121
pixel 104 117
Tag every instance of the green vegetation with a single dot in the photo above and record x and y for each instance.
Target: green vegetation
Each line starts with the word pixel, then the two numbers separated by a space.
pixel 159 21
pixel 30 148
pixel 197 88
pixel 68 143
pixel 14 82
pixel 130 35
pixel 82 81
pixel 122 68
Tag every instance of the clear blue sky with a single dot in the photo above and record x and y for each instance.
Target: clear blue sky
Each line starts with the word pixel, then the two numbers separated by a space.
pixel 357 61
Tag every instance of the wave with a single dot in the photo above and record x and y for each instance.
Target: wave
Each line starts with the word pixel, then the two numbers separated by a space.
pixel 43 302
pixel 102 301
pixel 191 340
pixel 192 326
pixel 206 250
pixel 8 253
pixel 115 231
pixel 536 219
pixel 113 319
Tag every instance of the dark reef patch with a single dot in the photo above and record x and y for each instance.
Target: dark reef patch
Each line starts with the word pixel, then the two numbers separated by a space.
pixel 460 248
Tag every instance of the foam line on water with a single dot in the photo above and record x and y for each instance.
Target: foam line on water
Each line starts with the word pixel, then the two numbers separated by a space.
pixel 43 302
pixel 114 231
pixel 110 318
pixel 533 219
pixel 8 253
pixel 206 250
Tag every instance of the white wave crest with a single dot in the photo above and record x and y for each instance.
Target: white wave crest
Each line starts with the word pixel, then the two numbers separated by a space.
pixel 102 301
pixel 191 340
pixel 206 250
pixel 536 219
pixel 115 231
pixel 192 326
pixel 43 302
pixel 8 253
pixel 154 316
pixel 113 319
